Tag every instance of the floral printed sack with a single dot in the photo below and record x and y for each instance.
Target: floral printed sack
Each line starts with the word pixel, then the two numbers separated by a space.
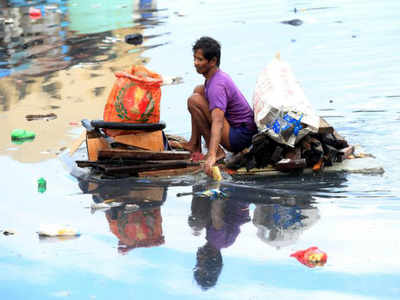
pixel 134 98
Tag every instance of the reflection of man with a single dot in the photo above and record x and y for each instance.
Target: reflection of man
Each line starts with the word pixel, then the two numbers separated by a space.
pixel 280 225
pixel 223 220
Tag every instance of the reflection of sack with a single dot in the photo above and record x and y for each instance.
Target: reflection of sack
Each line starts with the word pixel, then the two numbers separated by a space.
pixel 134 98
pixel 280 106
pixel 137 229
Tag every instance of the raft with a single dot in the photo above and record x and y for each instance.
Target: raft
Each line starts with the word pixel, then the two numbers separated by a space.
pixel 144 152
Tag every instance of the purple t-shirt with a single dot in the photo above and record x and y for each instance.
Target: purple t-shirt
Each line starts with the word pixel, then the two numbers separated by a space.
pixel 222 93
pixel 236 214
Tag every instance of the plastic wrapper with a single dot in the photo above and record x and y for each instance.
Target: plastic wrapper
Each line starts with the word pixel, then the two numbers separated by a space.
pixel 280 105
pixel 311 257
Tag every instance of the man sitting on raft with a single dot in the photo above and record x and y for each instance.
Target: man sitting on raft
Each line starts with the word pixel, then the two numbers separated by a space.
pixel 219 111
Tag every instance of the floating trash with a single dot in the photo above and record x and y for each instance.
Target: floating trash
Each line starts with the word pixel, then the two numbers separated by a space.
pixel 35 13
pixel 52 230
pixel 20 136
pixel 134 39
pixel 294 22
pixel 42 185
pixel 8 232
pixel 213 194
pixel 311 257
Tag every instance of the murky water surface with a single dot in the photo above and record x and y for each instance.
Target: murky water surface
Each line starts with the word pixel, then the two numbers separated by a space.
pixel 61 60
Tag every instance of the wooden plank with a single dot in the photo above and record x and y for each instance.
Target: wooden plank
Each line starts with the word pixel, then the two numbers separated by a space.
pixel 147 140
pixel 143 155
pixel 122 163
pixel 145 167
pixel 171 172
pixel 94 145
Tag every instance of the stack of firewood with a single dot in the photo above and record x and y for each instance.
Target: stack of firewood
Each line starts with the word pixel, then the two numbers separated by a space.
pixel 315 151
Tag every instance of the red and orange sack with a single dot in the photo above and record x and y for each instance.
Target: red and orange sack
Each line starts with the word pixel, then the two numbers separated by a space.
pixel 134 98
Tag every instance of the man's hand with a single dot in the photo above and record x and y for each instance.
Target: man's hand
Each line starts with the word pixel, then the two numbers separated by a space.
pixel 208 164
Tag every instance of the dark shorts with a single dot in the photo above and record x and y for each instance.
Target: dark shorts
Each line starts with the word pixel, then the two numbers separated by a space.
pixel 240 138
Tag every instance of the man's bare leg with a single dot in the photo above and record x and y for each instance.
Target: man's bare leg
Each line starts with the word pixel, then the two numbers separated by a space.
pixel 201 125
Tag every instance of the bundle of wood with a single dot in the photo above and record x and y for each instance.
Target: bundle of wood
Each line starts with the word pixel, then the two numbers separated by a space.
pixel 315 151
pixel 121 162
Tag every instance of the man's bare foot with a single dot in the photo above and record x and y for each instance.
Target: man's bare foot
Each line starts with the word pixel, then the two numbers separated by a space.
pixel 190 147
pixel 184 146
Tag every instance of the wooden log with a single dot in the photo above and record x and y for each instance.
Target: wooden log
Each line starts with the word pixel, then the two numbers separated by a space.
pixel 237 160
pixel 324 126
pixel 146 167
pixel 347 151
pixel 286 164
pixel 143 155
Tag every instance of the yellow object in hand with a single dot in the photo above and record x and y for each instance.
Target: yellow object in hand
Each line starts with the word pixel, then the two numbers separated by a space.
pixel 216 174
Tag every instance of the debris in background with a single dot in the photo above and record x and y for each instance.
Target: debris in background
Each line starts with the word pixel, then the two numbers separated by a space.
pixel 134 39
pixel 172 80
pixel 8 232
pixel 294 22
pixel 47 117
pixel 311 257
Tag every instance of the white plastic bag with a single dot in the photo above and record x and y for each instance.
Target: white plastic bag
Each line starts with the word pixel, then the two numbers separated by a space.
pixel 280 105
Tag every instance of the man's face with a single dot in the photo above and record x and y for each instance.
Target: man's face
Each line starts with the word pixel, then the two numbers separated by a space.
pixel 201 64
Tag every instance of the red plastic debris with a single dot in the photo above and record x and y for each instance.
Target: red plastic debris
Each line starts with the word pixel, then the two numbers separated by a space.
pixel 311 257
pixel 35 13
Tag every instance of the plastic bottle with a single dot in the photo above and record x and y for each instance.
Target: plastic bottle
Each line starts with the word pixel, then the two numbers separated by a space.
pixel 42 185
pixel 216 174
pixel 19 136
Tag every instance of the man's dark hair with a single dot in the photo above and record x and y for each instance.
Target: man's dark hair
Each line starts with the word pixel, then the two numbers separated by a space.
pixel 210 47
pixel 208 267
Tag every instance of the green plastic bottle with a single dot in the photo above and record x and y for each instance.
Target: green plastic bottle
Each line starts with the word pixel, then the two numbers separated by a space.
pixel 19 136
pixel 41 185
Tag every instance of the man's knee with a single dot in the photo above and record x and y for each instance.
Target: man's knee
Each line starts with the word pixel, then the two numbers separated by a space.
pixel 199 89
pixel 195 101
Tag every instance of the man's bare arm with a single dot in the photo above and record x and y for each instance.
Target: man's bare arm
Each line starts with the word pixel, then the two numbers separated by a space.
pixel 217 125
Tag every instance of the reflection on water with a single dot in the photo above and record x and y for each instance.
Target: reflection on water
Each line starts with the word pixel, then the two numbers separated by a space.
pixel 141 228
pixel 135 217
pixel 234 248
pixel 63 62
pixel 280 225
pixel 221 219
pixel 32 47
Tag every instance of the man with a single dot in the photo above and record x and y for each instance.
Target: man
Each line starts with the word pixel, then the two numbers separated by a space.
pixel 220 113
